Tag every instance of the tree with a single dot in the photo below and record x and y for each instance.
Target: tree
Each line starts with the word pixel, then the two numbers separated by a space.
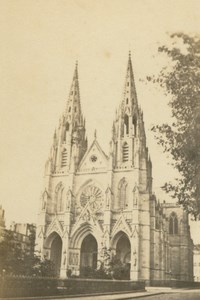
pixel 181 138
pixel 16 260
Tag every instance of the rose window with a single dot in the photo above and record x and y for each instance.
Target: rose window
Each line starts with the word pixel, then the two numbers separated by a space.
pixel 92 195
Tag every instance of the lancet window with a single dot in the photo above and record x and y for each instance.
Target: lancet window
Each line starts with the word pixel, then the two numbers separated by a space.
pixel 173 224
pixel 122 194
pixel 59 197
pixel 126 124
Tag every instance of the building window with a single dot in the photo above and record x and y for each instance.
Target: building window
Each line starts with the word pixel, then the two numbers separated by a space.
pixel 126 123
pixel 67 126
pixel 127 83
pixel 125 152
pixel 122 194
pixel 69 109
pixel 173 224
pixel 135 125
pixel 71 92
pixel 75 108
pixel 59 197
pixel 157 223
pixel 64 158
pixel 126 100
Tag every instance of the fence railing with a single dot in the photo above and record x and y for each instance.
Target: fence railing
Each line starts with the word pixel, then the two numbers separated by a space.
pixel 23 286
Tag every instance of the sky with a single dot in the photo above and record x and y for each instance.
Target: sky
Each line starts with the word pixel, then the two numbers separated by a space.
pixel 40 42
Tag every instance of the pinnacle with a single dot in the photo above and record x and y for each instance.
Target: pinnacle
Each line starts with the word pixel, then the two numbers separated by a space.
pixel 73 104
pixel 130 96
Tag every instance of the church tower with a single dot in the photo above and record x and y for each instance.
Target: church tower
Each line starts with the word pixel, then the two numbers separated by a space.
pixel 69 146
pixel 69 143
pixel 129 140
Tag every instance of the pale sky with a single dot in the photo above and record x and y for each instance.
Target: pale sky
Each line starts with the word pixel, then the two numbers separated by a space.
pixel 40 42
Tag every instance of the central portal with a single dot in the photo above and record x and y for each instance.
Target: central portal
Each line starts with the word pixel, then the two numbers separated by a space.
pixel 88 254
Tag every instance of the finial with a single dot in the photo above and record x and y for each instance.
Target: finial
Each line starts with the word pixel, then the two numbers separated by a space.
pixel 76 64
pixel 129 54
pixel 95 134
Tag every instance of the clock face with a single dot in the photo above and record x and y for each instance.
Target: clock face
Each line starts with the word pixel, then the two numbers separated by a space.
pixel 92 195
pixel 93 158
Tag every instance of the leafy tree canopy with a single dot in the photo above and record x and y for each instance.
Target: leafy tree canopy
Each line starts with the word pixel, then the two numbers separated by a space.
pixel 181 137
pixel 16 260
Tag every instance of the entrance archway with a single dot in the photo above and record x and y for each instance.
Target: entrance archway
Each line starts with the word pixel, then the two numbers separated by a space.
pixel 56 252
pixel 123 249
pixel 88 253
pixel 123 254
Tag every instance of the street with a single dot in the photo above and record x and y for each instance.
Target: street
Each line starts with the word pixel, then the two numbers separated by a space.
pixel 183 295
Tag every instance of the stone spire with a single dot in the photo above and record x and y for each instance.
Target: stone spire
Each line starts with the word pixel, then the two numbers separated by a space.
pixel 128 128
pixel 129 101
pixel 69 143
pixel 73 107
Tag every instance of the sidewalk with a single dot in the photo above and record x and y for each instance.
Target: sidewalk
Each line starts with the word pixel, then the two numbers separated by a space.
pixel 113 296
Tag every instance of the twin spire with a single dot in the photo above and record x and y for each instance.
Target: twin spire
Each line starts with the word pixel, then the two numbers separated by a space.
pixel 129 102
pixel 73 106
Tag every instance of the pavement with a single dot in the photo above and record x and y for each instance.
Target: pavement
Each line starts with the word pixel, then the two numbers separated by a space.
pixel 150 291
pixel 114 296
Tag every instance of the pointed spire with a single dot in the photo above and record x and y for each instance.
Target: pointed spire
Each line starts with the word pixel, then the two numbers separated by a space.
pixel 130 95
pixel 73 107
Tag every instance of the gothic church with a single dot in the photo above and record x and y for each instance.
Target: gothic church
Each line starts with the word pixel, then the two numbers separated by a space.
pixel 92 200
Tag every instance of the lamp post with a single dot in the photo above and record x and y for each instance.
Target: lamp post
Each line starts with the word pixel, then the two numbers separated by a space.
pixel 3 282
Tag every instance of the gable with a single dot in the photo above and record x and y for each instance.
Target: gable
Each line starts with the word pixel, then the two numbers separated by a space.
pixel 86 217
pixel 55 226
pixel 95 160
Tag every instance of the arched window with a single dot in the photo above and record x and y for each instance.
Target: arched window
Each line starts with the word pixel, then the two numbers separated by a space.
pixel 125 152
pixel 64 158
pixel 64 132
pixel 157 223
pixel 126 123
pixel 135 125
pixel 59 197
pixel 69 109
pixel 67 126
pixel 126 100
pixel 122 194
pixel 173 224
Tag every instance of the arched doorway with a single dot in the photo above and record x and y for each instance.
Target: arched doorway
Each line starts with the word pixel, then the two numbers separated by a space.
pixel 88 254
pixel 123 254
pixel 56 252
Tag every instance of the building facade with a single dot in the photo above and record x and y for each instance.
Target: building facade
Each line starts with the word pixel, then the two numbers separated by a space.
pixel 24 235
pixel 196 264
pixel 92 200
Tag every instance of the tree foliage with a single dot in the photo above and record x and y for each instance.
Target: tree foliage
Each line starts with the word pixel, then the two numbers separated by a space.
pixel 181 138
pixel 17 260
pixel 109 266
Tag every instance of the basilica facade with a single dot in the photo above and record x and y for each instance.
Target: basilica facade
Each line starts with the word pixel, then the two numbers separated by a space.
pixel 94 201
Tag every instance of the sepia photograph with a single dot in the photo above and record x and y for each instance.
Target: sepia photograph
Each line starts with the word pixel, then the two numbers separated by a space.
pixel 100 149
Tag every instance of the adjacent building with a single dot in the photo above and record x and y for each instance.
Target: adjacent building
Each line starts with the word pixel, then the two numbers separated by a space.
pixel 24 235
pixel 92 200
pixel 196 253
